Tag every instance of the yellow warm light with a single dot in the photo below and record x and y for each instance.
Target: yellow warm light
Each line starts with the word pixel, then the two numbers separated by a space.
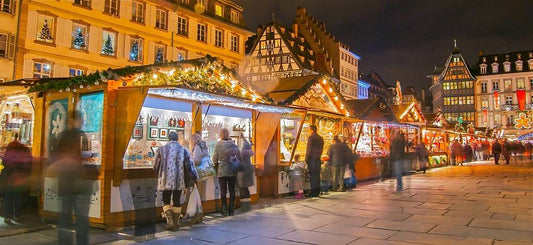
pixel 154 76
pixel 336 98
pixel 330 90
pixel 171 72
pixel 324 81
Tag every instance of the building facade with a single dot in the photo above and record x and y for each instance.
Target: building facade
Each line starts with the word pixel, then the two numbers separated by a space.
pixel 378 88
pixel 74 37
pixel 9 12
pixel 504 92
pixel 453 89
pixel 339 60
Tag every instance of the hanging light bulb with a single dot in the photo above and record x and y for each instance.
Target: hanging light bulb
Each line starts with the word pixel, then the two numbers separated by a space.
pixel 324 81
pixel 154 76
pixel 330 90
pixel 61 90
pixel 96 83
pixel 336 98
pixel 81 85
pixel 67 89
pixel 74 90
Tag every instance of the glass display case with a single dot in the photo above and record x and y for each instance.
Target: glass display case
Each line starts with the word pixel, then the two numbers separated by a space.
pixel 289 126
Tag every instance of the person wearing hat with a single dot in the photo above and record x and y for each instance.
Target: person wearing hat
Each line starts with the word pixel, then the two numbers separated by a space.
pixel 175 171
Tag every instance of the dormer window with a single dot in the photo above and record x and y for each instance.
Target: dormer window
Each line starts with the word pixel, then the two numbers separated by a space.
pixel 530 64
pixel 507 66
pixel 495 58
pixel 519 65
pixel 494 67
pixel 506 57
pixel 483 69
pixel 484 59
pixel 519 56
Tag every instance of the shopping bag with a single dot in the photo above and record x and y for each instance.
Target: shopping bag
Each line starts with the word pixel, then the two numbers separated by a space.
pixel 194 205
pixel 347 172
pixel 206 168
pixel 350 182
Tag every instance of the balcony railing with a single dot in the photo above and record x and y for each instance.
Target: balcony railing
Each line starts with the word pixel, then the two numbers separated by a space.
pixel 514 107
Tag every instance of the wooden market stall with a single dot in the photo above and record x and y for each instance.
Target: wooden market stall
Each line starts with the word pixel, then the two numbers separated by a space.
pixel 128 114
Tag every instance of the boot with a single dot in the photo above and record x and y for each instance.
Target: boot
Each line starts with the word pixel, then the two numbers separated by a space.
pixel 224 211
pixel 231 208
pixel 169 216
pixel 176 216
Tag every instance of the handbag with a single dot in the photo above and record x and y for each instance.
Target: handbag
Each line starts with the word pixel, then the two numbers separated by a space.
pixel 206 168
pixel 236 164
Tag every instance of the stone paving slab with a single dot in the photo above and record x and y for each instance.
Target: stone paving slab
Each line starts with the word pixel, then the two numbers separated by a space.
pixel 498 234
pixel 356 231
pixel 426 238
pixel 314 237
pixel 435 219
pixel 502 224
pixel 401 225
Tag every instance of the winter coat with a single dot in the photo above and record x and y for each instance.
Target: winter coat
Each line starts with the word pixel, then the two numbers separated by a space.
pixel 457 149
pixel 507 148
pixel 422 152
pixel 245 178
pixel 467 151
pixel 224 150
pixel 337 153
pixel 174 167
pixel 315 146
pixel 496 148
pixel 397 149
pixel 199 152
pixel 17 166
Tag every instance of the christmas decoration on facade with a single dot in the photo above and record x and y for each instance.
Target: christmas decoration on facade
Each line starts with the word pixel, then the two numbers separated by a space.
pixel 522 121
pixel 78 41
pixel 46 33
pixel 134 53
pixel 159 55
pixel 108 49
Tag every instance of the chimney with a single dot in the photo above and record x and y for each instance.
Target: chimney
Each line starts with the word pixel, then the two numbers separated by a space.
pixel 295 28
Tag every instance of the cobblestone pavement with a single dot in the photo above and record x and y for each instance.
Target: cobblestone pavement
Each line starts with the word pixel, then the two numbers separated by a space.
pixel 476 204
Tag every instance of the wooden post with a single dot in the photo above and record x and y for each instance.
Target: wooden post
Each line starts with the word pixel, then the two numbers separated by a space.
pixel 358 137
pixel 196 117
pixel 297 137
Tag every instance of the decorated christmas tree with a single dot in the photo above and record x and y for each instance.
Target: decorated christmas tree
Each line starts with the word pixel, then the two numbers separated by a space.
pixel 46 34
pixel 134 53
pixel 107 49
pixel 159 56
pixel 79 40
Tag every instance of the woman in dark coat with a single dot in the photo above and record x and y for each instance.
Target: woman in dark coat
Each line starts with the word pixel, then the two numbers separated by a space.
pixel 245 178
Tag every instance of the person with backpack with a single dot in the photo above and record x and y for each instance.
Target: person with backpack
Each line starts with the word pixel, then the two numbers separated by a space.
pixel 226 152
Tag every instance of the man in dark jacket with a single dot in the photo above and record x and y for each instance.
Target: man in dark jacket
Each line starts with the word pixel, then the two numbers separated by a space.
pixel 338 154
pixel 397 157
pixel 496 151
pixel 507 148
pixel 315 146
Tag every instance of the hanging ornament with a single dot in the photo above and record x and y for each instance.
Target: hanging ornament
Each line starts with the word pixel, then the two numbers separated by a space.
pixel 81 85
pixel 96 83
pixel 74 90
pixel 67 89
pixel 61 90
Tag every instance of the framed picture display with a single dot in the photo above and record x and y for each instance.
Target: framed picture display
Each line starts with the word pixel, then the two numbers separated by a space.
pixel 172 130
pixel 154 121
pixel 137 132
pixel 163 133
pixel 154 133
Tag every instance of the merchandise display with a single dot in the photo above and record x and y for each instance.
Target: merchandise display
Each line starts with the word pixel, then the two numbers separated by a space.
pixel 91 106
pixel 290 125
pixel 16 116
pixel 215 118
pixel 373 140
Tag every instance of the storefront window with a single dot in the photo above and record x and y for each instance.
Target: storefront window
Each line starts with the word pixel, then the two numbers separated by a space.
pixel 372 141
pixel 92 107
pixel 215 118
pixel 290 124
pixel 158 117
pixel 16 116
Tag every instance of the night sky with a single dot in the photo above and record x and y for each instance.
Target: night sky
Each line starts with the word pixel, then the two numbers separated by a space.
pixel 403 39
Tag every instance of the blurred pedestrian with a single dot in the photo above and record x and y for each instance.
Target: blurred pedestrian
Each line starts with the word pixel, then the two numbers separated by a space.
pixel 297 177
pixel 422 155
pixel 245 179
pixel 456 153
pixel 225 149
pixel 175 172
pixel 528 147
pixel 75 181
pixel 14 178
pixel 496 151
pixel 507 149
pixel 338 154
pixel 467 153
pixel 397 156
pixel 201 158
pixel 480 149
pixel 486 150
pixel 315 145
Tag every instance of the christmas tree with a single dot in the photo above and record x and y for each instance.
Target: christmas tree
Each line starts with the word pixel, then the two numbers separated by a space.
pixel 107 49
pixel 45 35
pixel 134 53
pixel 159 56
pixel 79 40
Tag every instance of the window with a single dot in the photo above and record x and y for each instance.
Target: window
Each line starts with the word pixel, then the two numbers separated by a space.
pixel 510 120
pixel 201 3
pixel 495 86
pixel 7 46
pixel 84 3
pixel 79 36
pixel 42 70
pixel 160 54
pixel 219 10
pixel 520 83
pixel 234 16
pixel 495 68
pixel 137 12
pixel 530 65
pixel 508 100
pixel 219 36
pixel 483 69
pixel 483 87
pixel 45 28
pixel 136 49
pixel 507 66
pixel 73 72
pixel 485 103
pixel 531 85
pixel 201 33
pixel 161 17
pixel 7 6
pixel 109 41
pixel 508 85
pixel 112 7
pixel 234 43
pixel 182 55
pixel 182 26
pixel 519 65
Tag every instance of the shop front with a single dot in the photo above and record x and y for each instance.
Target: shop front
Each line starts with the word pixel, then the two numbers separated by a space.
pixel 129 113
pixel 16 118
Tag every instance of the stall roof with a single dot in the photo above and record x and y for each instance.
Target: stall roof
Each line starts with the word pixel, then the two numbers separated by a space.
pixel 409 113
pixel 374 109
pixel 313 91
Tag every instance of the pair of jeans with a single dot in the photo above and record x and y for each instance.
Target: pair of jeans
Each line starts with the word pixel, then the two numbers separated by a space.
pixel 225 184
pixel 314 178
pixel 79 203
pixel 338 177
pixel 398 169
pixel 12 202
pixel 176 196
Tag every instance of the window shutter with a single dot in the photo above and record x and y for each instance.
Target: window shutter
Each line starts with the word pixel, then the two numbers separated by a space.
pixel 11 46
